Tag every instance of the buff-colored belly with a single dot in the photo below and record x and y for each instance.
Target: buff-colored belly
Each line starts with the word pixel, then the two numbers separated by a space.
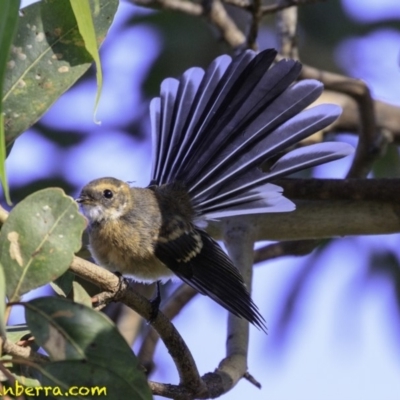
pixel 143 269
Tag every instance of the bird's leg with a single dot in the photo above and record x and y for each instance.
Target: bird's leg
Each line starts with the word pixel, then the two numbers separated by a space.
pixel 155 303
pixel 122 279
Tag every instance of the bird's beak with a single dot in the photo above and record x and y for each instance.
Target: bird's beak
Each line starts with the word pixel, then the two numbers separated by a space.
pixel 82 199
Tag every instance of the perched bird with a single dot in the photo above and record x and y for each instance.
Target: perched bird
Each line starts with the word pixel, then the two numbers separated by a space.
pixel 211 130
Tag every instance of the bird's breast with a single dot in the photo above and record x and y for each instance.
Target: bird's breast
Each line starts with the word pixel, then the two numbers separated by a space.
pixel 128 249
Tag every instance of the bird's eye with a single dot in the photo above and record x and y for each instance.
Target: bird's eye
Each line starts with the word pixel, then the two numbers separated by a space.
pixel 108 194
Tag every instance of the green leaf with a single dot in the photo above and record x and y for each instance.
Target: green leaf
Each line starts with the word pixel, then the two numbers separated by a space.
pixel 25 374
pixel 84 19
pixel 47 57
pixel 16 332
pixel 81 296
pixel 70 331
pixel 38 240
pixel 63 284
pixel 8 25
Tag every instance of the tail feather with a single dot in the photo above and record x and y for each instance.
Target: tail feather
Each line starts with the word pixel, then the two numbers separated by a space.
pixel 187 89
pixel 213 128
pixel 287 105
pixel 155 120
pixel 309 156
pixel 289 133
pixel 243 104
pixel 207 87
pixel 217 104
pixel 296 160
pixel 260 206
pixel 266 198
pixel 233 88
pixel 164 110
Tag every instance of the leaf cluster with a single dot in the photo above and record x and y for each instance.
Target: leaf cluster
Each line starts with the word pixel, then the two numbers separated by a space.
pixel 45 48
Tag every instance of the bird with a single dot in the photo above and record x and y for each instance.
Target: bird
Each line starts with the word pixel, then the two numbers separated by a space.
pixel 211 129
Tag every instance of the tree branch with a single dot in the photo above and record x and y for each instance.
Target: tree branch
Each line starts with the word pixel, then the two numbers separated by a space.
pixel 255 24
pixel 281 5
pixel 239 240
pixel 22 352
pixel 387 116
pixel 280 249
pixel 185 7
pixel 324 207
pixel 218 16
pixel 175 303
pixel 286 24
pixel 370 142
pixel 213 10
pixel 183 359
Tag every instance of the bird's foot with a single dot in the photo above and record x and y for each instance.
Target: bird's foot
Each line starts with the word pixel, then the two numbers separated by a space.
pixel 155 303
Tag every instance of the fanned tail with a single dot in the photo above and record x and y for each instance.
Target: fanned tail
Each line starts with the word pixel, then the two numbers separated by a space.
pixel 211 129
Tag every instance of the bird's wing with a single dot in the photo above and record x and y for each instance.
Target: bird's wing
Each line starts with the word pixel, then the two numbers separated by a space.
pixel 200 262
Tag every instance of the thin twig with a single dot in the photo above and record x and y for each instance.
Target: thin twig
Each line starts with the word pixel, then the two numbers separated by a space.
pixel 287 30
pixel 255 24
pixel 245 4
pixel 280 249
pixel 22 352
pixel 175 303
pixel 279 6
pixel 370 140
pixel 218 16
pixel 252 380
pixel 215 13
pixel 185 7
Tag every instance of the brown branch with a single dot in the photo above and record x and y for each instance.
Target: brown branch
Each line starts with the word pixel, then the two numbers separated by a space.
pixel 370 141
pixel 185 7
pixel 387 116
pixel 214 11
pixel 108 282
pixel 327 208
pixel 169 391
pixel 280 249
pixel 22 352
pixel 360 190
pixel 245 4
pixel 255 24
pixel 252 380
pixel 286 24
pixel 239 240
pixel 175 303
pixel 218 16
pixel 270 8
pixel 281 5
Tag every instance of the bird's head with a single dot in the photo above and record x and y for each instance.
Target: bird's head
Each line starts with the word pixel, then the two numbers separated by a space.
pixel 104 199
